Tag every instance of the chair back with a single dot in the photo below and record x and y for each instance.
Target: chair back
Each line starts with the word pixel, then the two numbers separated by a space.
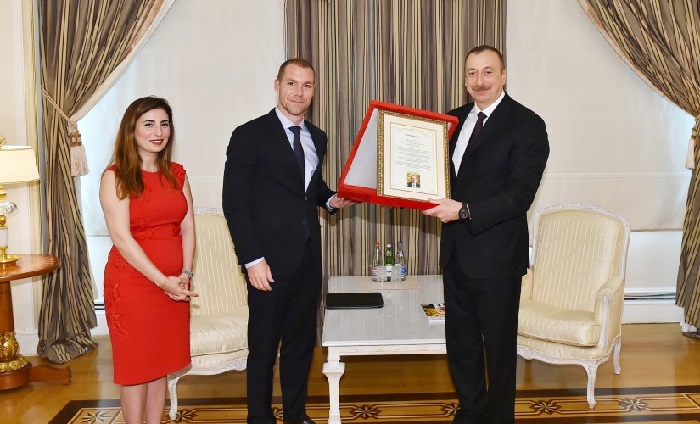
pixel 217 277
pixel 576 248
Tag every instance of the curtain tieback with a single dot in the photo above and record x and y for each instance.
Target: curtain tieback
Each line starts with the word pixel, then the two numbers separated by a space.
pixel 78 157
pixel 694 140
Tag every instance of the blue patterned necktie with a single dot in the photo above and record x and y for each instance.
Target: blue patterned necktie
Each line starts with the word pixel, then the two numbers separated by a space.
pixel 298 150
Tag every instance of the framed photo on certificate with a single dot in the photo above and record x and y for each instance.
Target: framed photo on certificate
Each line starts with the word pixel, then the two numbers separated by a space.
pixel 412 157
pixel 400 157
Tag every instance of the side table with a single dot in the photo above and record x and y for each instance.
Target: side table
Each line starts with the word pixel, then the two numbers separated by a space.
pixel 15 370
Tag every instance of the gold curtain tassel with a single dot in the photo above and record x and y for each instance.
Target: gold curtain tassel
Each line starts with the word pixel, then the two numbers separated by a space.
pixel 78 157
pixel 75 138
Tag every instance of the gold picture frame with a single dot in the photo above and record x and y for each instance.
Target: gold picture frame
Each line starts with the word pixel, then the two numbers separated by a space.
pixel 412 157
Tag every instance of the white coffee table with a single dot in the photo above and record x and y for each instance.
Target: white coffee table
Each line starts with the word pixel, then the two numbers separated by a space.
pixel 400 327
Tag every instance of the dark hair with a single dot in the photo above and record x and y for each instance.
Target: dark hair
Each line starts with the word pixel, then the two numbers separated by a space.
pixel 127 161
pixel 296 61
pixel 484 48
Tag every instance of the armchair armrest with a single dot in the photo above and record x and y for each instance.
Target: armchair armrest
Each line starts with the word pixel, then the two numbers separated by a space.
pixel 526 286
pixel 612 291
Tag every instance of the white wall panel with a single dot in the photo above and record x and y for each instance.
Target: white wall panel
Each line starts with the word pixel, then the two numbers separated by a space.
pixel 215 61
pixel 614 141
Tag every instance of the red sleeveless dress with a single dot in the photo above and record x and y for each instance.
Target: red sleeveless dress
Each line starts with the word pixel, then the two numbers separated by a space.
pixel 150 332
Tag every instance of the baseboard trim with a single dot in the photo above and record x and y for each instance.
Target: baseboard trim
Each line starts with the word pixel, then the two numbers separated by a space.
pixel 651 311
pixel 101 329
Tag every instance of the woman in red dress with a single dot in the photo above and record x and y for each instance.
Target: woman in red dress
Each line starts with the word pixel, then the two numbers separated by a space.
pixel 147 205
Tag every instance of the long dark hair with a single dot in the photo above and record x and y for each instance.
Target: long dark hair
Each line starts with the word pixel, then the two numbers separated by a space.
pixel 126 158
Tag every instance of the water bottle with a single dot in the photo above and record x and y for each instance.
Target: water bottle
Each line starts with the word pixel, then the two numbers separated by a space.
pixel 401 260
pixel 376 260
pixel 388 260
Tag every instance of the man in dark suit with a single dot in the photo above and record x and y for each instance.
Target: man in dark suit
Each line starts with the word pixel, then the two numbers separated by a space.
pixel 271 194
pixel 498 155
pixel 413 182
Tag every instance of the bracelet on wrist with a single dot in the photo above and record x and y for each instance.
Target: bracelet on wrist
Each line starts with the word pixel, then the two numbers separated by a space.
pixel 188 272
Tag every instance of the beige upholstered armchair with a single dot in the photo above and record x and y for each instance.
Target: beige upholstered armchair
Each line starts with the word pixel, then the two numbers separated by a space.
pixel 219 323
pixel 572 296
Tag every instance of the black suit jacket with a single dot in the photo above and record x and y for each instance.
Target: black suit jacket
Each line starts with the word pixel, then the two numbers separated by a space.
pixel 499 176
pixel 264 199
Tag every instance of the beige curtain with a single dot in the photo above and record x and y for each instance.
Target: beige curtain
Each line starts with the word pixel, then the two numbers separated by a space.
pixel 82 43
pixel 409 52
pixel 660 40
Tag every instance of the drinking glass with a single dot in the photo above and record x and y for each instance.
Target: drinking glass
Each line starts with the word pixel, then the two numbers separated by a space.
pixel 396 274
pixel 381 274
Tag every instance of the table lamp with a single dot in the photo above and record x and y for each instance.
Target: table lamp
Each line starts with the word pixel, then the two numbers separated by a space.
pixel 17 165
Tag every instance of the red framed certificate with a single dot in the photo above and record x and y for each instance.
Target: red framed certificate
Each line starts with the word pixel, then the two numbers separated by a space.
pixel 400 157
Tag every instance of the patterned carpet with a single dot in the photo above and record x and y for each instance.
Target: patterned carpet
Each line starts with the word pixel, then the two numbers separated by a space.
pixel 647 405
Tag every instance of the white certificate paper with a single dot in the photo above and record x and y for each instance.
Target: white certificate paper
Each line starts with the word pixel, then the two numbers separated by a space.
pixel 412 155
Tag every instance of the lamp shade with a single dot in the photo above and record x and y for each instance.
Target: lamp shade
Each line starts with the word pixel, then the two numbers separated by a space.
pixel 17 165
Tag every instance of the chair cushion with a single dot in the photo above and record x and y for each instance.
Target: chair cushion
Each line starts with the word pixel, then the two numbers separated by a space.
pixel 544 322
pixel 219 333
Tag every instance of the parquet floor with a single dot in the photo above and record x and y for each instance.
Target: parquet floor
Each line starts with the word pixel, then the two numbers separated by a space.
pixel 660 378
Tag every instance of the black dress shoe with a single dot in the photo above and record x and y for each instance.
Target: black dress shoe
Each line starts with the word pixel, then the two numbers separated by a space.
pixel 306 421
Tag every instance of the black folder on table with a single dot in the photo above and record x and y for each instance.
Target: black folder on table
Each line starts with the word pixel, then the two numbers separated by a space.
pixel 354 300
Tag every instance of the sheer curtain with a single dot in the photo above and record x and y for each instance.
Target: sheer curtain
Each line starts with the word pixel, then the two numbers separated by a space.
pixel 83 47
pixel 408 52
pixel 660 40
